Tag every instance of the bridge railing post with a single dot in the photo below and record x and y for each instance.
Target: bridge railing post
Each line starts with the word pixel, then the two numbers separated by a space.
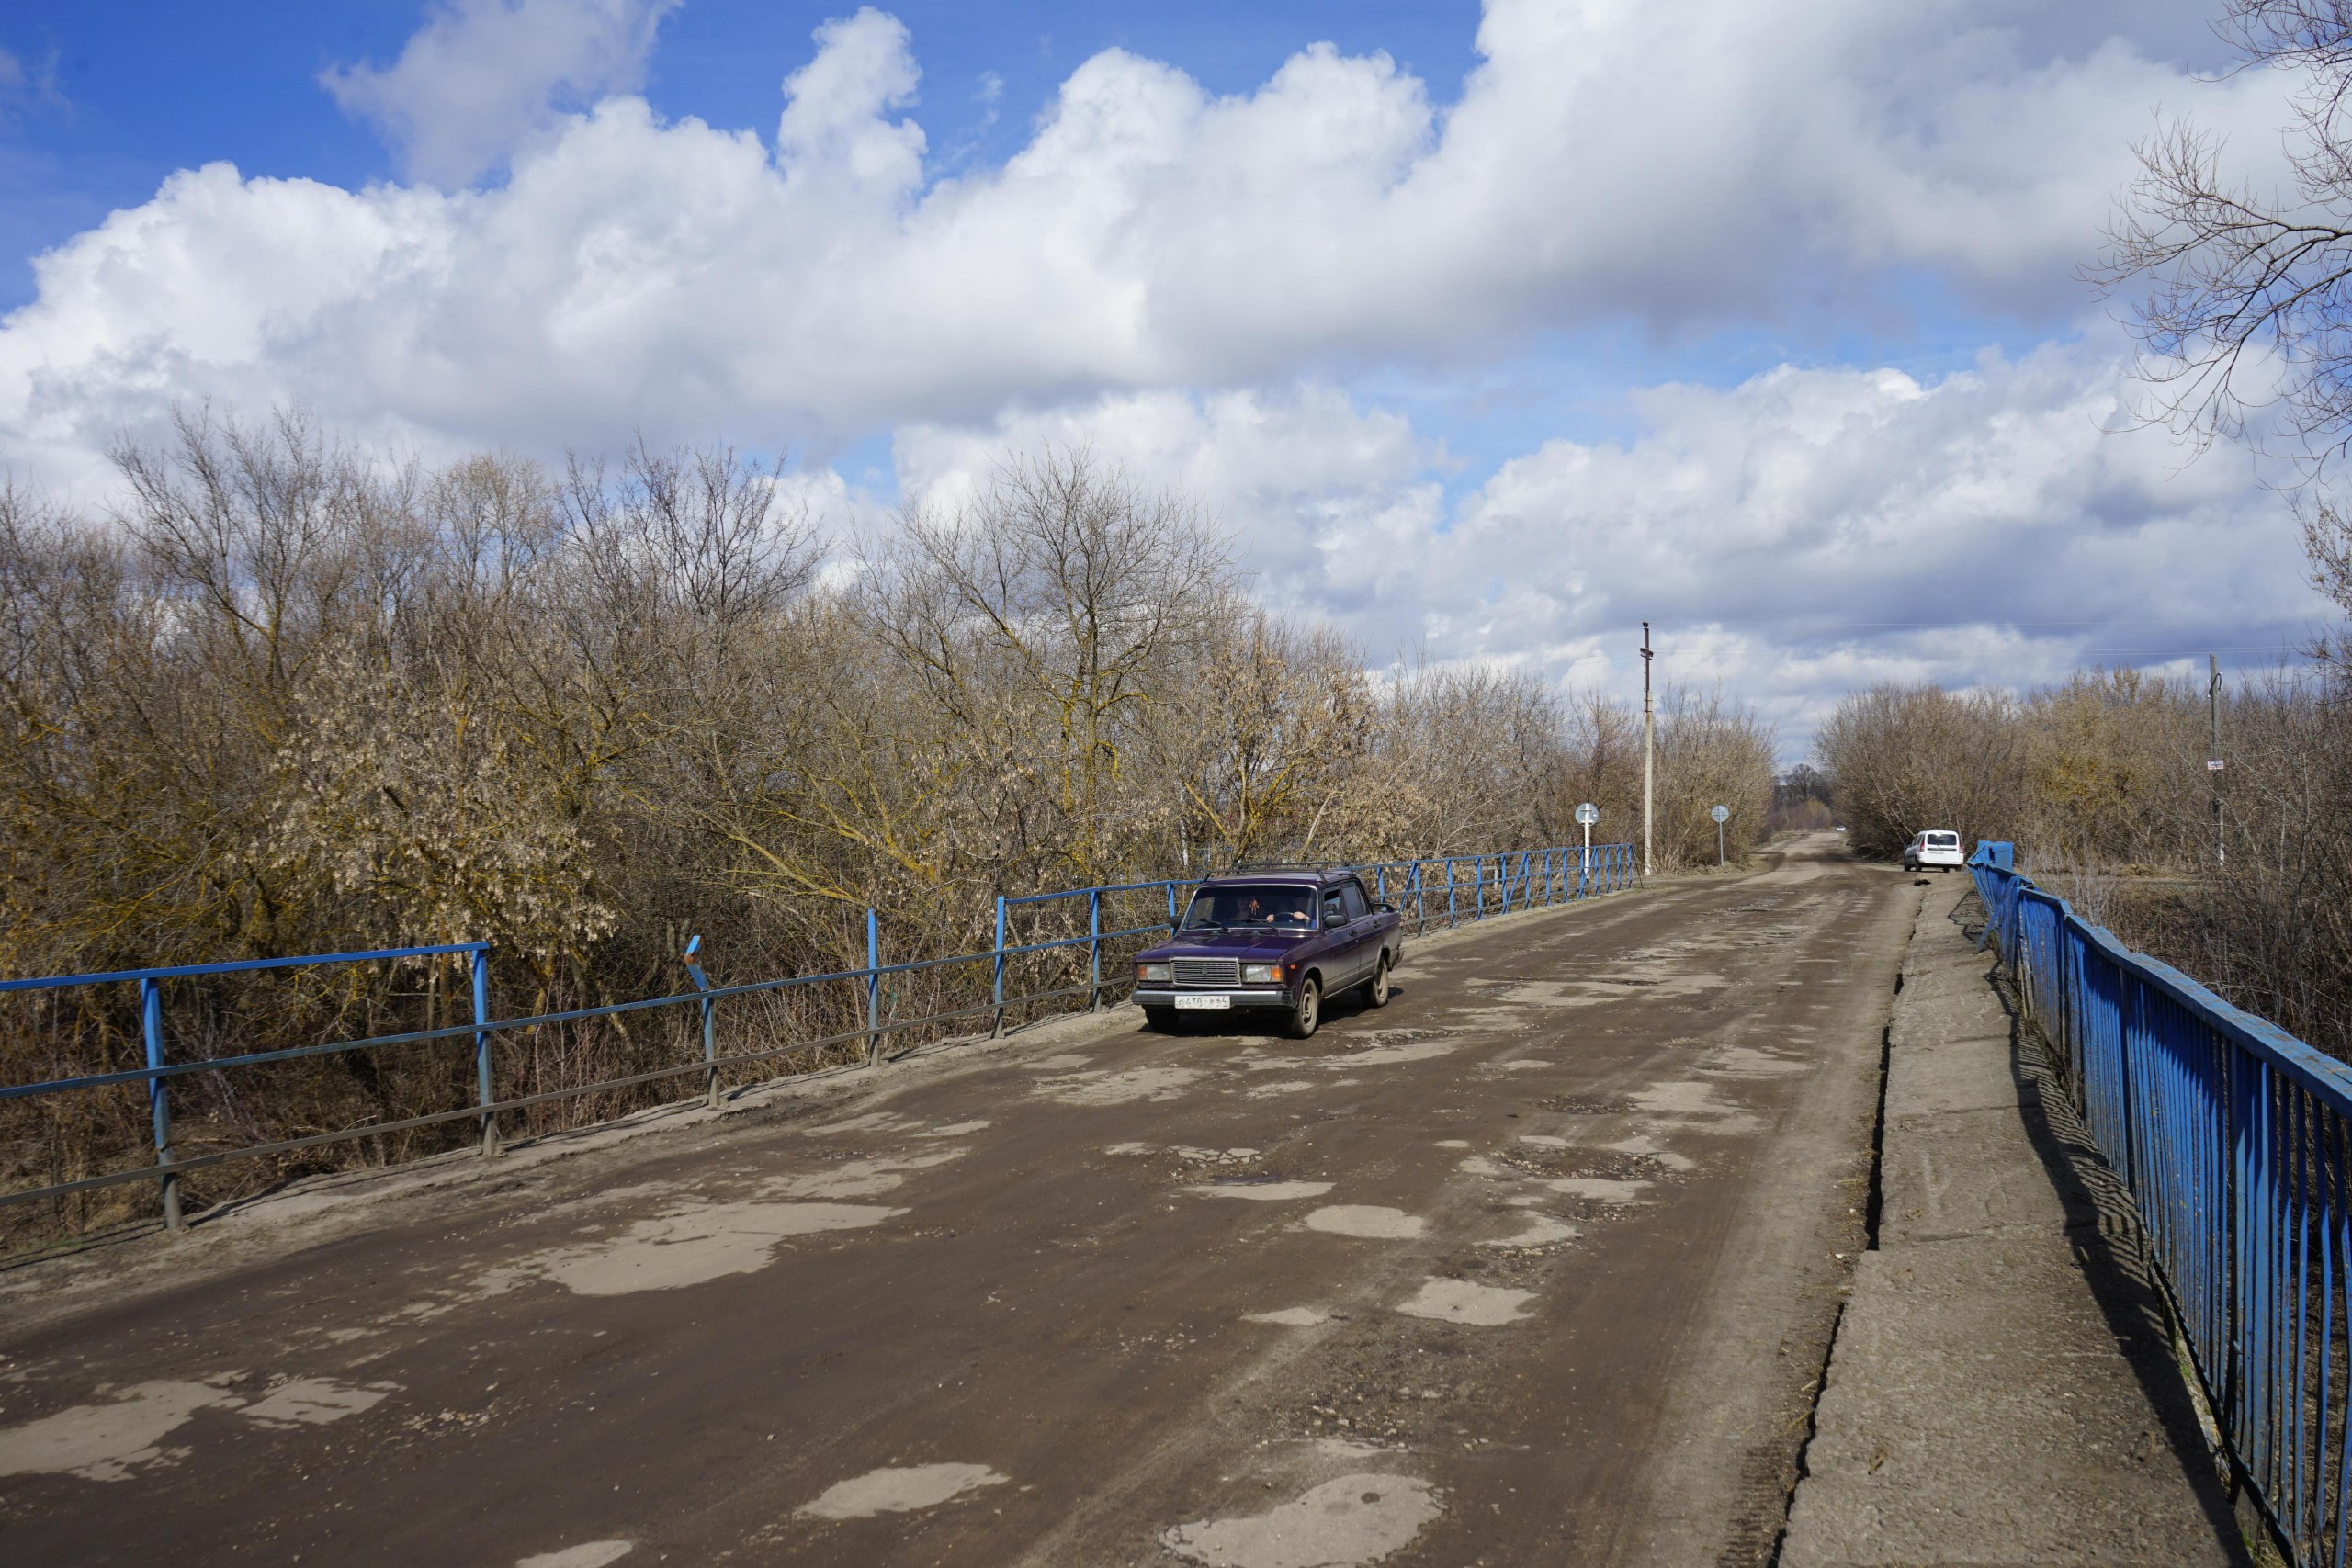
pixel 1450 918
pixel 873 989
pixel 709 1024
pixel 1420 903
pixel 1094 949
pixel 996 1024
pixel 159 1105
pixel 486 1094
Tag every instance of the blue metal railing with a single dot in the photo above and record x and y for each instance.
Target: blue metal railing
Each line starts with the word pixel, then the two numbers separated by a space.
pixel 2235 1142
pixel 1471 888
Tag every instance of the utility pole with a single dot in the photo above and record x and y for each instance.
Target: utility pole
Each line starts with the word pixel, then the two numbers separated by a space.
pixel 1649 749
pixel 2213 757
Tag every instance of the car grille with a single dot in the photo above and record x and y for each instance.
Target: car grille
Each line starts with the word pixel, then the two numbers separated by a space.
pixel 1207 970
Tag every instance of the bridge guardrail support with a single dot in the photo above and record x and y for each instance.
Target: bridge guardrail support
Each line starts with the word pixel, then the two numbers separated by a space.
pixel 709 1025
pixel 483 1030
pixel 1094 950
pixel 480 967
pixel 996 1024
pixel 872 987
pixel 159 1105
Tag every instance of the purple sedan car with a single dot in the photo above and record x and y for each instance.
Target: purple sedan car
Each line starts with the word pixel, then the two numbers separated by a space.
pixel 1275 941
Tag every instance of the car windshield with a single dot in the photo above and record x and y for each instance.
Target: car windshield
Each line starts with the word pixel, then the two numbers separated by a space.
pixel 1250 909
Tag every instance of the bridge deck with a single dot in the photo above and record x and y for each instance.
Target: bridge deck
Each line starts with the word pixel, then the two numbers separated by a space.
pixel 1537 1265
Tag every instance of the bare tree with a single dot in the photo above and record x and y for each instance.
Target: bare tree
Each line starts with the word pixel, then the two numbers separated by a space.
pixel 2244 295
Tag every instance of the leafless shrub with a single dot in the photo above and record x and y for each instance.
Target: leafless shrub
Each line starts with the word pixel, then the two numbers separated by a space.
pixel 298 697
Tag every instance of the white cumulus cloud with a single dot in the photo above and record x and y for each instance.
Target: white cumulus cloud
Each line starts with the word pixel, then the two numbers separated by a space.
pixel 482 76
pixel 1200 286
pixel 1727 162
pixel 1802 533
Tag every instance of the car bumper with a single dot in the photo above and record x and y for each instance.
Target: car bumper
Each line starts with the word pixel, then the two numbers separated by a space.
pixel 1235 1000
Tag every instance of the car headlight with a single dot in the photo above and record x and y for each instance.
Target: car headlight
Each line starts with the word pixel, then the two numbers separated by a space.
pixel 1147 971
pixel 1261 973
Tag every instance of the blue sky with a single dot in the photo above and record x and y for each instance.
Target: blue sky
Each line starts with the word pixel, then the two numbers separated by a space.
pixel 143 89
pixel 1487 329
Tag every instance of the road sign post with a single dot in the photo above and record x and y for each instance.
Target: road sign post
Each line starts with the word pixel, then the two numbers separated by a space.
pixel 1587 814
pixel 1721 814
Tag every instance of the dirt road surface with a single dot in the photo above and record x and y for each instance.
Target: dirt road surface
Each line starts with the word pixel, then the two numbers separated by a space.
pixel 1537 1265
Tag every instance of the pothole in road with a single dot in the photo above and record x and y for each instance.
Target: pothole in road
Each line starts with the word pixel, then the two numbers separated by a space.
pixel 1460 1300
pixel 1602 1188
pixel 1747 1062
pixel 111 1441
pixel 1214 1156
pixel 1641 1146
pixel 857 1178
pixel 1542 1231
pixel 106 1442
pixel 1576 1105
pixel 587 1554
pixel 1352 1522
pixel 1368 1221
pixel 1264 1189
pixel 688 1247
pixel 901 1490
pixel 314 1401
pixel 1119 1088
pixel 1289 1317
pixel 1389 1047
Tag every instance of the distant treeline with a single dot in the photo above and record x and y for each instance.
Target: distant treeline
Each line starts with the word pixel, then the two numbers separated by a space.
pixel 2102 784
pixel 289 695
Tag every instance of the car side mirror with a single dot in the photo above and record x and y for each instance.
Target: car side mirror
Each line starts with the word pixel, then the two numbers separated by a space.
pixel 1385 908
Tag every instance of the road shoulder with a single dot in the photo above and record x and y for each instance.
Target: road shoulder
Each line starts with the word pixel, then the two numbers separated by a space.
pixel 2002 1388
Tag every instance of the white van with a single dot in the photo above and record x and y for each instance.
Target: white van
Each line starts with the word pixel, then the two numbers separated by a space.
pixel 1937 847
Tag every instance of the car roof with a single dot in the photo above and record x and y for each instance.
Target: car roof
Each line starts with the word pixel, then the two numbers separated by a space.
pixel 1302 874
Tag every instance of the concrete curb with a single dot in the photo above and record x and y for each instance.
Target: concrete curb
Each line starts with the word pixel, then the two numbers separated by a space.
pixel 2002 1389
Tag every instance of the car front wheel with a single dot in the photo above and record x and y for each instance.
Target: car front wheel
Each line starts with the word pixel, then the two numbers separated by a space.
pixel 1160 1021
pixel 1307 1010
pixel 1375 990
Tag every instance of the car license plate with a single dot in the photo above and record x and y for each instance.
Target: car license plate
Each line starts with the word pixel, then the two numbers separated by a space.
pixel 1185 1004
